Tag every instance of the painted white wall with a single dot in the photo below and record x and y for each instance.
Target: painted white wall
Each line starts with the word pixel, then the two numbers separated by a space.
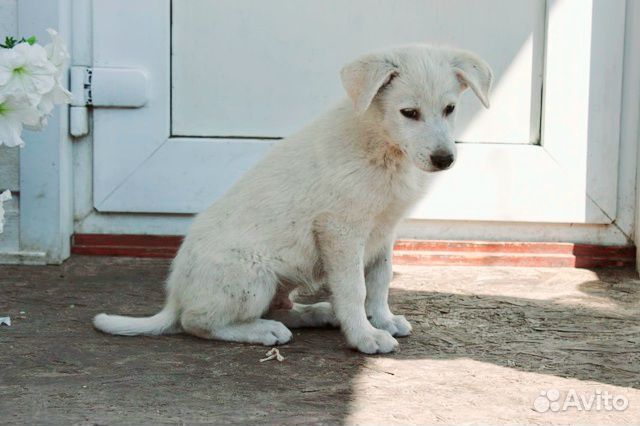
pixel 631 112
pixel 8 17
pixel 46 196
pixel 10 157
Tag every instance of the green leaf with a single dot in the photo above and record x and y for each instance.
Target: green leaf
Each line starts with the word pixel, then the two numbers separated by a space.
pixel 10 42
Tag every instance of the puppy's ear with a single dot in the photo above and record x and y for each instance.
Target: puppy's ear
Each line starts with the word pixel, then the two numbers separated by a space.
pixel 363 79
pixel 472 71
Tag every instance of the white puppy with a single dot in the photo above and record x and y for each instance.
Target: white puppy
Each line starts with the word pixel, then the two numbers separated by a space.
pixel 321 208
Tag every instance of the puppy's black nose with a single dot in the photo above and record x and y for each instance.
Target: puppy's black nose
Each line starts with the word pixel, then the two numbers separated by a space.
pixel 441 160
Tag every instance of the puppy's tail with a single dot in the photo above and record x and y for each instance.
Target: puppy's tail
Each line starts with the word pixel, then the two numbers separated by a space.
pixel 164 322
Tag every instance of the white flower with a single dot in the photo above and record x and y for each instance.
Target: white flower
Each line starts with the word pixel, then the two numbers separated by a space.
pixel 58 56
pixel 30 86
pixel 25 70
pixel 57 52
pixel 57 95
pixel 13 113
pixel 5 196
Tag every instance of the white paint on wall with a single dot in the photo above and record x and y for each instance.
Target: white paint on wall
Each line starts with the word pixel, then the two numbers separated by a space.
pixel 46 181
pixel 8 17
pixel 9 237
pixel 10 157
pixel 9 168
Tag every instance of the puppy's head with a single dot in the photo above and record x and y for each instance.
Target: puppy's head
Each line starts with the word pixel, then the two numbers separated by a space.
pixel 412 92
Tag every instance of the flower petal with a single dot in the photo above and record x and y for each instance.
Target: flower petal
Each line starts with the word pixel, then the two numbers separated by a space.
pixel 10 132
pixel 9 61
pixel 59 95
pixel 57 51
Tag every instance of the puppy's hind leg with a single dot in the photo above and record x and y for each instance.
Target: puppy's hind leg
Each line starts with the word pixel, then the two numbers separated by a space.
pixel 231 308
pixel 262 331
pixel 300 316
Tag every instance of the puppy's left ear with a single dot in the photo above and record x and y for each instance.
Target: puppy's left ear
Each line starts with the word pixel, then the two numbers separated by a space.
pixel 472 71
pixel 363 79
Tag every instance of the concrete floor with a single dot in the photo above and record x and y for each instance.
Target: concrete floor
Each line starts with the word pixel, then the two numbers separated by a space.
pixel 486 343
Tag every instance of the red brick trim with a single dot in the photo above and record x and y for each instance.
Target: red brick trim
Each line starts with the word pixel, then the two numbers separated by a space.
pixel 411 252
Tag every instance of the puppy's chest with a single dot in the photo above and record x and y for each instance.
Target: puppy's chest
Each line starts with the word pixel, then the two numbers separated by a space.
pixel 402 190
pixel 402 195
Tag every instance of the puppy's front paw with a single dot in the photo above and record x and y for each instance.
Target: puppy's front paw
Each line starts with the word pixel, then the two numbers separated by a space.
pixel 376 342
pixel 396 325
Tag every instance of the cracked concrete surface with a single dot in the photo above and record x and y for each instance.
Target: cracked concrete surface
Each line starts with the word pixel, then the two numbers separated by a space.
pixel 486 343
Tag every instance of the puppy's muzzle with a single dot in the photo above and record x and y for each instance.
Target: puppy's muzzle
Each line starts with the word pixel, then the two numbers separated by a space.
pixel 441 160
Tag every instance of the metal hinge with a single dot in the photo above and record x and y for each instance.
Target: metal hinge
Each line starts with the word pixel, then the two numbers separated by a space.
pixel 104 87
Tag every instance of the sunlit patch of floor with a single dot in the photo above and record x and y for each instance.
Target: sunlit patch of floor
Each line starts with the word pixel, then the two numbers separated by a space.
pixel 490 342
pixel 464 391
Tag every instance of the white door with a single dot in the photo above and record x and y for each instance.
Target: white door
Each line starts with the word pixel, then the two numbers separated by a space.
pixel 227 78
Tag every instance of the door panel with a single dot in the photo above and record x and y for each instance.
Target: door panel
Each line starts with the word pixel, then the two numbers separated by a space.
pixel 265 68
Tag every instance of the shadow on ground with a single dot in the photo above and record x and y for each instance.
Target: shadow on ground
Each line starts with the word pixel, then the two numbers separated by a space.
pixel 486 340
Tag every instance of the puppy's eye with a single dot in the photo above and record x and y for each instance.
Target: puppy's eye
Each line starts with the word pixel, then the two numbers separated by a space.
pixel 448 109
pixel 411 113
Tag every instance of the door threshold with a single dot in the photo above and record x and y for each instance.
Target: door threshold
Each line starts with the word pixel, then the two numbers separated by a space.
pixel 406 252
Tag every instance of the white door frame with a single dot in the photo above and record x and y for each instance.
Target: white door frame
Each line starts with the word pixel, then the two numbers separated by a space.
pixel 46 177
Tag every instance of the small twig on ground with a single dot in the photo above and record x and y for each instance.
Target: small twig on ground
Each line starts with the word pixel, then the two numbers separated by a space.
pixel 273 353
